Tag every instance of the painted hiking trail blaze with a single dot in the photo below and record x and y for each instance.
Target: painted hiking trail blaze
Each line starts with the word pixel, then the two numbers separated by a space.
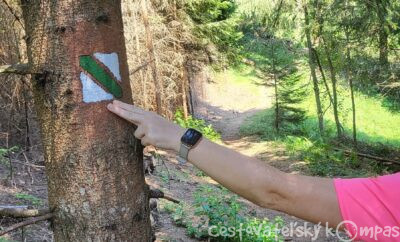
pixel 107 75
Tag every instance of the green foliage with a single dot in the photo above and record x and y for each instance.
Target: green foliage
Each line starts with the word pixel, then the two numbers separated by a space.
pixel 377 123
pixel 216 209
pixel 323 160
pixel 306 144
pixel 216 22
pixel 377 115
pixel 198 124
pixel 207 11
pixel 290 94
pixel 225 216
pixel 4 152
pixel 29 198
pixel 6 240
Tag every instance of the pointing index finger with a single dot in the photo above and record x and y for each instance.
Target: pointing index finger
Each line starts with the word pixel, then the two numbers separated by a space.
pixel 125 114
pixel 128 107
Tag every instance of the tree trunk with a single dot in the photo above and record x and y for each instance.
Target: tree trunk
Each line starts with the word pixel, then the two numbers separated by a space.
pixel 93 163
pixel 184 94
pixel 383 35
pixel 321 70
pixel 153 65
pixel 277 107
pixel 334 90
pixel 349 78
pixel 311 62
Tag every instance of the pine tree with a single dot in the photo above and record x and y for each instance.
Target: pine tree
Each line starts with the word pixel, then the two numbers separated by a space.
pixel 290 93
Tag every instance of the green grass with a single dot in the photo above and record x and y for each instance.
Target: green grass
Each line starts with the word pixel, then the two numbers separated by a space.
pixel 375 122
pixel 307 145
pixel 239 75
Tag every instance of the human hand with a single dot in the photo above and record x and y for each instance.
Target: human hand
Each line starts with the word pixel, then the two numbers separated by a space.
pixel 152 129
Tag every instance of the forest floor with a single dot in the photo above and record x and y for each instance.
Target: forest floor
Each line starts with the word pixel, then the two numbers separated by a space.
pixel 226 105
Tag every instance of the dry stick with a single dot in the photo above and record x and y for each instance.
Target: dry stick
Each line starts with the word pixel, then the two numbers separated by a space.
pixel 21 212
pixel 8 152
pixel 20 69
pixel 141 66
pixel 28 168
pixel 26 223
pixel 381 159
pixel 156 193
pixel 29 164
pixel 158 157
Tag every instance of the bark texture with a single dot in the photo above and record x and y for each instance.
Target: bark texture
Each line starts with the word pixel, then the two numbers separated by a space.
pixel 93 163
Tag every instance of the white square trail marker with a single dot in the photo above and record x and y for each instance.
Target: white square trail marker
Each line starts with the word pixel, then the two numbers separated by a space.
pixel 101 77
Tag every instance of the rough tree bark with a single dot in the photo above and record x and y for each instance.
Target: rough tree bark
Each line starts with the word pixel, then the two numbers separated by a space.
pixel 93 163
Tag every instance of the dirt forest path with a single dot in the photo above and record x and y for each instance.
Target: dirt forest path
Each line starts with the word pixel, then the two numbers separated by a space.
pixel 226 105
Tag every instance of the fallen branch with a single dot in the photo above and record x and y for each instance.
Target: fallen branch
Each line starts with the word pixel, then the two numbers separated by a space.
pixel 29 164
pixel 26 223
pixel 21 212
pixel 20 69
pixel 381 159
pixel 156 193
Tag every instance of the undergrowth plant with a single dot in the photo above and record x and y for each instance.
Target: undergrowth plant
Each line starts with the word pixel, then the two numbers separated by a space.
pixel 198 124
pixel 4 152
pixel 219 216
pixel 29 199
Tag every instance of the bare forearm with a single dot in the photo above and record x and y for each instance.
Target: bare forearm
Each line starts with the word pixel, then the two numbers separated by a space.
pixel 309 198
pixel 248 177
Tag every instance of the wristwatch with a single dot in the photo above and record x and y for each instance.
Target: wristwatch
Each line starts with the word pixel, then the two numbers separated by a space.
pixel 190 139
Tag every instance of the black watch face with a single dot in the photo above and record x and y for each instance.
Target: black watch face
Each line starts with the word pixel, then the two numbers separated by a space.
pixel 191 137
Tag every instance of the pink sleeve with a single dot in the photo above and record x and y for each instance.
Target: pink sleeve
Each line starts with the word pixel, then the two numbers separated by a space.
pixel 370 207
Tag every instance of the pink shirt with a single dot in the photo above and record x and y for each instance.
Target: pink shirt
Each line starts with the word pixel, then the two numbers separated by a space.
pixel 370 207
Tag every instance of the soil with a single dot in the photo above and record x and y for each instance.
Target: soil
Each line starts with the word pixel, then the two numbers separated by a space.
pixel 222 104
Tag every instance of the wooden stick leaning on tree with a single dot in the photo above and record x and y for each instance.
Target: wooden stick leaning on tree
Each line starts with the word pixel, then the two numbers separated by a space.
pixel 26 223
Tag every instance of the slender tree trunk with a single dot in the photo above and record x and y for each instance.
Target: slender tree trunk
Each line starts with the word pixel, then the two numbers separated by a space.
pixel 153 64
pixel 323 76
pixel 93 163
pixel 383 35
pixel 184 94
pixel 334 90
pixel 311 61
pixel 277 111
pixel 141 72
pixel 350 81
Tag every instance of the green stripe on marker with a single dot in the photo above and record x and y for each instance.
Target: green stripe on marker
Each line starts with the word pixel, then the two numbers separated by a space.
pixel 98 72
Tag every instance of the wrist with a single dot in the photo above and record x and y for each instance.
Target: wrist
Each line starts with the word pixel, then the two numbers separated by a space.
pixel 177 139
